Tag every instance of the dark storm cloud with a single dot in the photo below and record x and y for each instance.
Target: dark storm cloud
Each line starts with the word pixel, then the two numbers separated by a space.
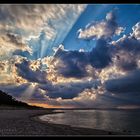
pixel 107 100
pixel 32 76
pixel 102 101
pixel 65 91
pixel 127 64
pixel 126 84
pixel 68 90
pixel 125 60
pixel 73 63
pixel 127 53
pixel 129 44
pixel 100 55
pixel 14 90
pixel 127 50
pixel 24 92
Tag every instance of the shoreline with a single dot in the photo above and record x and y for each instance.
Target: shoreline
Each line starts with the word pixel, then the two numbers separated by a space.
pixel 26 122
pixel 90 131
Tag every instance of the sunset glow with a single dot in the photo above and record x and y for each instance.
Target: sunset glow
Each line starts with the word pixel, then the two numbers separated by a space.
pixel 71 55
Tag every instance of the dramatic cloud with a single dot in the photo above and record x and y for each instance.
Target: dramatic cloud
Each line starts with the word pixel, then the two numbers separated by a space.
pixel 126 52
pixel 88 98
pixel 68 90
pixel 8 73
pixel 126 61
pixel 103 29
pixel 27 18
pixel 33 74
pixel 136 31
pixel 126 57
pixel 10 43
pixel 129 83
pixel 100 55
pixel 76 63
pixel 15 90
pixel 21 25
pixel 36 68
pixel 71 63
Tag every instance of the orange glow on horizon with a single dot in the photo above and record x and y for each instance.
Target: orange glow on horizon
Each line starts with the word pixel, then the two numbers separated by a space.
pixel 44 105
pixel 50 106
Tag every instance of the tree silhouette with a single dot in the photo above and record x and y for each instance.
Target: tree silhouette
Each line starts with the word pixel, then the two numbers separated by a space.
pixel 8 100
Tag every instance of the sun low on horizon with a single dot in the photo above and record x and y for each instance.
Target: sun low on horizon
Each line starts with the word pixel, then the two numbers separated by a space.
pixel 71 55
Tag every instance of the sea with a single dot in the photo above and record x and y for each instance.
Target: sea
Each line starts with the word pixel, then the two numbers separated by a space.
pixel 109 120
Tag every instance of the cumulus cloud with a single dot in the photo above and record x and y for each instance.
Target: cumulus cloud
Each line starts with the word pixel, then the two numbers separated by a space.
pixel 14 90
pixel 21 23
pixel 71 63
pixel 10 43
pixel 103 29
pixel 92 100
pixel 67 78
pixel 126 61
pixel 100 56
pixel 25 92
pixel 8 73
pixel 54 94
pixel 30 74
pixel 30 70
pixel 68 90
pixel 25 16
pixel 126 84
pixel 79 64
pixel 126 58
pixel 126 52
pixel 136 31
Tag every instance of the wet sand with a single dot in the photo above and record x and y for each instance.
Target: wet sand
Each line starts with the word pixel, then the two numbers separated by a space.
pixel 25 122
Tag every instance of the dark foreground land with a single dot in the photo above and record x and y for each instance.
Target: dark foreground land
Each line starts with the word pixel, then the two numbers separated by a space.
pixel 24 122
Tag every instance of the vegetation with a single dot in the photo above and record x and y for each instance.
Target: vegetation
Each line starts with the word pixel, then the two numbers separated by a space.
pixel 8 100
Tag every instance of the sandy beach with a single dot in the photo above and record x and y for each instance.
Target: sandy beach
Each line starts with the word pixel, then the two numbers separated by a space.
pixel 26 123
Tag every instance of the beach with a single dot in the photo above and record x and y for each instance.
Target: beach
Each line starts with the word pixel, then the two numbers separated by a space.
pixel 26 122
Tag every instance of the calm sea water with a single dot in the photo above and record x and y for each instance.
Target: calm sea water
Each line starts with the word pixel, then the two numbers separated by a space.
pixel 117 120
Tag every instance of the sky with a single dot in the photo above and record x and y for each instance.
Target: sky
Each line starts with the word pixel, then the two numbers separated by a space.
pixel 71 55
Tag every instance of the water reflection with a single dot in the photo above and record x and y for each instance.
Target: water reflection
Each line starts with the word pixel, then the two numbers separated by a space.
pixel 98 119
